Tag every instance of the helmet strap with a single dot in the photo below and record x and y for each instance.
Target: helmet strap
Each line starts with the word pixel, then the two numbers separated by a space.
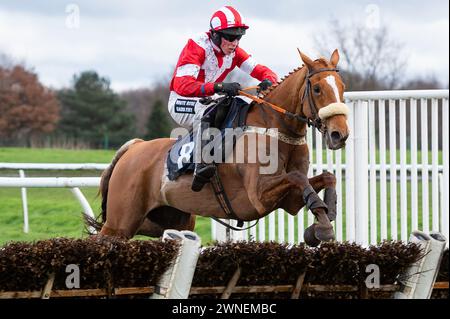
pixel 216 38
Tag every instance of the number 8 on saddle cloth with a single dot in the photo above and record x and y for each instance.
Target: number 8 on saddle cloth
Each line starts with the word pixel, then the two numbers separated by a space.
pixel 228 112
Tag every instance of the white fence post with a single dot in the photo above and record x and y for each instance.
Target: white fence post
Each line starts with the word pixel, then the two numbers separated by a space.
pixel 361 176
pixel 393 168
pixel 221 233
pixel 23 190
pixel 350 178
pixel 424 150
pixel 280 218
pixel 445 161
pixel 383 169
pixel 262 229
pixel 414 168
pixel 434 170
pixel 176 282
pixel 85 204
pixel 403 174
pixel 373 174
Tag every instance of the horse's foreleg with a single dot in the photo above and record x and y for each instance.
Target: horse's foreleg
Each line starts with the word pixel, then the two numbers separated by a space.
pixel 271 188
pixel 326 181
pixel 314 232
pixel 322 230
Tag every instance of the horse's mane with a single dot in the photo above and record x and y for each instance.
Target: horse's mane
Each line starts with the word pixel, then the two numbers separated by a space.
pixel 273 87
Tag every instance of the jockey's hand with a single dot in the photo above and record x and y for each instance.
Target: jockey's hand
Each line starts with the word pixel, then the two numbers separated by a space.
pixel 231 89
pixel 206 100
pixel 264 85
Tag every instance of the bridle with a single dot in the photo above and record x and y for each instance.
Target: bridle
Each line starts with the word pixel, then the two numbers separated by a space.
pixel 307 96
pixel 316 121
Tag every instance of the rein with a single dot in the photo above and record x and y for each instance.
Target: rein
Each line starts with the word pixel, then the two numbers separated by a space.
pixel 274 106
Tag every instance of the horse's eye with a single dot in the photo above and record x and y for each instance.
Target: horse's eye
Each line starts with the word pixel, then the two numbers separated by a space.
pixel 316 89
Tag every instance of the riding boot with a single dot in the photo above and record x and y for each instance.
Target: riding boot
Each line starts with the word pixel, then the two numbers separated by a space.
pixel 203 172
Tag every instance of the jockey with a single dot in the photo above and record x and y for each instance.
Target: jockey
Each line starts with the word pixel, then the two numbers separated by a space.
pixel 201 69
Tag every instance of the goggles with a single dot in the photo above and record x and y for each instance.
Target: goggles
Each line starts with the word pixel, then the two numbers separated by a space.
pixel 230 37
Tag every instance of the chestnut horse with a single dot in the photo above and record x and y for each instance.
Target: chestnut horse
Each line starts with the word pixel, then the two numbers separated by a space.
pixel 138 198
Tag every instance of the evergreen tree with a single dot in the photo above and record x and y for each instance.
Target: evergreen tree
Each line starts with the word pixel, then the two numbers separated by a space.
pixel 158 124
pixel 92 112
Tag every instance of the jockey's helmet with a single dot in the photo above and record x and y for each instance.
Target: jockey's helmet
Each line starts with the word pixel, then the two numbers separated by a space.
pixel 227 20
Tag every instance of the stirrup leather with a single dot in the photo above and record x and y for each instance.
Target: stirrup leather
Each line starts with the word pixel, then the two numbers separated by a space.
pixel 202 176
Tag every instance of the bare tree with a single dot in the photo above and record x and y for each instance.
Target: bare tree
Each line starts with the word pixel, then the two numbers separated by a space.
pixel 7 62
pixel 370 59
pixel 141 101
pixel 27 108
pixel 427 82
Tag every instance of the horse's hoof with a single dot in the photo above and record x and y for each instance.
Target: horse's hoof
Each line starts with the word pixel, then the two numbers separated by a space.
pixel 324 233
pixel 331 216
pixel 309 236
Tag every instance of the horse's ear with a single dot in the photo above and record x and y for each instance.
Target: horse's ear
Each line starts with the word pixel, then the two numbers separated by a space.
pixel 306 60
pixel 335 58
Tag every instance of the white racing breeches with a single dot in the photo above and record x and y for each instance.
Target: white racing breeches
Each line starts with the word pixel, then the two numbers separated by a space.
pixel 186 110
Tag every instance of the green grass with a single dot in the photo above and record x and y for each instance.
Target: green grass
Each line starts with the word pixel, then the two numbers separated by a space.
pixel 55 212
pixel 51 155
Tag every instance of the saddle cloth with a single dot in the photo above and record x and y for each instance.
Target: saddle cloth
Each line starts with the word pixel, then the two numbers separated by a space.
pixel 180 158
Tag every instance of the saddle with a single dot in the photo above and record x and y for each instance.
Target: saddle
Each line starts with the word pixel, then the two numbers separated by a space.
pixel 226 112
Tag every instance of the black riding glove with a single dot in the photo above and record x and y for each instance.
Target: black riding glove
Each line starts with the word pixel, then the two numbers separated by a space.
pixel 231 89
pixel 264 85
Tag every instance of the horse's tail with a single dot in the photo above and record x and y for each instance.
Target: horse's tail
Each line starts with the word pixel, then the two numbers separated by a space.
pixel 104 185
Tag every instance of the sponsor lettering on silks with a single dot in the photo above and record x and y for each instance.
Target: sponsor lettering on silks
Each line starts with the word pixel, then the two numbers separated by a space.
pixel 185 106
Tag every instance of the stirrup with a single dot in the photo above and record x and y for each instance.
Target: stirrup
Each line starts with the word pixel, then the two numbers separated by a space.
pixel 202 176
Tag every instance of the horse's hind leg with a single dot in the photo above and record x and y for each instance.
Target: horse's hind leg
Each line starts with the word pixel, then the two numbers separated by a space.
pixel 152 229
pixel 165 217
pixel 126 209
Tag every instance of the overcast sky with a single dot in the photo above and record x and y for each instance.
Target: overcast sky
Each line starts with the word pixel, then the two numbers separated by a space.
pixel 137 43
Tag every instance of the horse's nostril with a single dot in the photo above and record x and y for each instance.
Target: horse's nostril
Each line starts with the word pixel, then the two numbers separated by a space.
pixel 336 136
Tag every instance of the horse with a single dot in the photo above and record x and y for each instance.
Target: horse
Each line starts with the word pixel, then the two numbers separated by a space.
pixel 138 198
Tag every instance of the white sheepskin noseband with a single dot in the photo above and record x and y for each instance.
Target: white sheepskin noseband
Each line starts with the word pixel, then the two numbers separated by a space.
pixel 333 109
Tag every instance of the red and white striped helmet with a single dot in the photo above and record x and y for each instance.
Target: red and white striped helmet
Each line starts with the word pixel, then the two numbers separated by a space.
pixel 225 18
